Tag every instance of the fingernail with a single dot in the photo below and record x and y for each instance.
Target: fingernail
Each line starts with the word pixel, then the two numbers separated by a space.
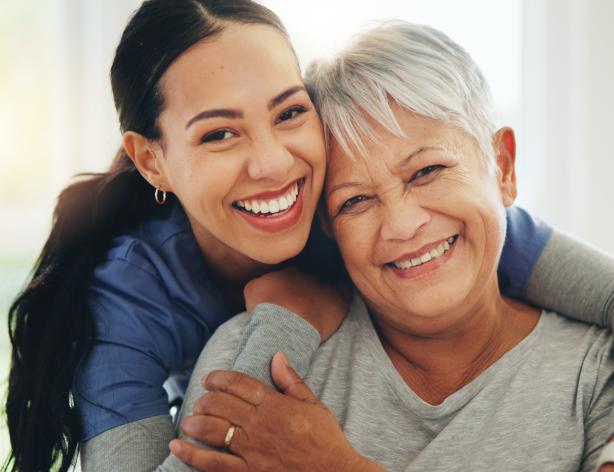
pixel 175 446
pixel 284 359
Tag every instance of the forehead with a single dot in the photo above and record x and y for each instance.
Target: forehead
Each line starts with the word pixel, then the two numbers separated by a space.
pixel 230 68
pixel 388 150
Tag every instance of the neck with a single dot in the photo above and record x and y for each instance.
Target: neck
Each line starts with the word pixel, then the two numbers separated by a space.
pixel 229 269
pixel 439 364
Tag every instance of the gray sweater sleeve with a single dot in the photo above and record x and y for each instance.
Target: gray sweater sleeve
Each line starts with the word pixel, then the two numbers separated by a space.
pixel 244 343
pixel 575 279
pixel 274 329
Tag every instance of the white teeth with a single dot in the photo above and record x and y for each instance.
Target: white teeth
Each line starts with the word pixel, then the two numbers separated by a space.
pixel 427 256
pixel 283 203
pixel 275 205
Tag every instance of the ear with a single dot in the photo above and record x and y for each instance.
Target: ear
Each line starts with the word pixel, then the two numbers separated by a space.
pixel 505 153
pixel 144 153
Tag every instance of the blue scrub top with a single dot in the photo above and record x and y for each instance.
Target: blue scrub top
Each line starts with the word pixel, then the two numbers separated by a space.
pixel 155 307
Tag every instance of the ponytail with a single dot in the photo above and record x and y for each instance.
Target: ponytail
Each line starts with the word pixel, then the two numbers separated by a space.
pixel 50 325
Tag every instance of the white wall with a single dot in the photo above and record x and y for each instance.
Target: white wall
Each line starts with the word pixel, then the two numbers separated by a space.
pixel 566 158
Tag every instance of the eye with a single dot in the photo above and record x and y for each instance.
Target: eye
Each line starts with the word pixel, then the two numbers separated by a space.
pixel 425 171
pixel 290 113
pixel 219 135
pixel 349 203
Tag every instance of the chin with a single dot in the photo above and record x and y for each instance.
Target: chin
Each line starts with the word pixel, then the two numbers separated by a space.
pixel 278 252
pixel 436 303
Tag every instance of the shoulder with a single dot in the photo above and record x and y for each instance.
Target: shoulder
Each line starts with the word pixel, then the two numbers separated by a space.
pixel 151 243
pixel 574 336
pixel 583 351
pixel 159 264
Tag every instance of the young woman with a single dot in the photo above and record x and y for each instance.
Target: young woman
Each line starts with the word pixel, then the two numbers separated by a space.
pixel 217 183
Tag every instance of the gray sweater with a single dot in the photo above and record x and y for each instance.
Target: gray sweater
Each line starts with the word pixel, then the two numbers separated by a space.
pixel 142 445
pixel 543 406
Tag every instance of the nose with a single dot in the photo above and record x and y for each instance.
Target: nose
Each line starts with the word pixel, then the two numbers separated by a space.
pixel 402 218
pixel 269 159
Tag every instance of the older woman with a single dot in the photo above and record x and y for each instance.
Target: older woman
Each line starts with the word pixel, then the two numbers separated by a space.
pixel 432 369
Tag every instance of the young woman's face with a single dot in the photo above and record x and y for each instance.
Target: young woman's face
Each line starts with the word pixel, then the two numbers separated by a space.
pixel 242 144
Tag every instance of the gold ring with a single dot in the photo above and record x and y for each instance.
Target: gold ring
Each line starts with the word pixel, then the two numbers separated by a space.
pixel 229 435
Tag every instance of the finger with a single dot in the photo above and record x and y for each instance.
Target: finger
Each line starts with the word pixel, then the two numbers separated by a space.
pixel 205 459
pixel 225 406
pixel 209 429
pixel 288 381
pixel 236 383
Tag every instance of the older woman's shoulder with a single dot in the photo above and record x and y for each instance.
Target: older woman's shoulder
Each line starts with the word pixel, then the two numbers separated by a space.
pixel 568 340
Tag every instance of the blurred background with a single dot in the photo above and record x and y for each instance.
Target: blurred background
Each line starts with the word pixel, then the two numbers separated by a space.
pixel 549 63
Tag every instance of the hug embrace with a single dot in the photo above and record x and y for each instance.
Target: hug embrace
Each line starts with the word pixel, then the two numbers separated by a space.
pixel 415 323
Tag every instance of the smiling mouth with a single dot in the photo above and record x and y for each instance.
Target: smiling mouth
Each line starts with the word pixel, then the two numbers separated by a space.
pixel 428 256
pixel 272 207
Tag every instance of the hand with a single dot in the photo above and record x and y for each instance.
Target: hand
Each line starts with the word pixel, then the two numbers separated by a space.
pixel 274 431
pixel 318 303
pixel 607 468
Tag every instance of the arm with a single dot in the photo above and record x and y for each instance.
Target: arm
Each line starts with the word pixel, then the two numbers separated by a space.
pixel 291 430
pixel 541 265
pixel 271 328
pixel 574 279
pixel 119 390
pixel 291 313
pixel 138 445
pixel 142 446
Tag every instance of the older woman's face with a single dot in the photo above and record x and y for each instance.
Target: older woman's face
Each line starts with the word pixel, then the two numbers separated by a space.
pixel 420 222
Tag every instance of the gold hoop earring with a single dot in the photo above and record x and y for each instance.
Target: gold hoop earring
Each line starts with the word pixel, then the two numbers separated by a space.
pixel 160 199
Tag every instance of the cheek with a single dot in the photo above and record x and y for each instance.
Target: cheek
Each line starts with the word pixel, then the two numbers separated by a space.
pixel 207 179
pixel 356 238
pixel 308 144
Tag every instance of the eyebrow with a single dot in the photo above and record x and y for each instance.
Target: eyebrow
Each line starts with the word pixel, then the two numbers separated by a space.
pixel 342 186
pixel 273 102
pixel 399 167
pixel 235 114
pixel 420 150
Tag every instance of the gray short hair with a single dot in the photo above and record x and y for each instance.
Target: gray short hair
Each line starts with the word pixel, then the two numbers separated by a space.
pixel 418 67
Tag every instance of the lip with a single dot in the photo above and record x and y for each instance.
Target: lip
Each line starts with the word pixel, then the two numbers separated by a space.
pixel 273 193
pixel 426 268
pixel 274 224
pixel 424 249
